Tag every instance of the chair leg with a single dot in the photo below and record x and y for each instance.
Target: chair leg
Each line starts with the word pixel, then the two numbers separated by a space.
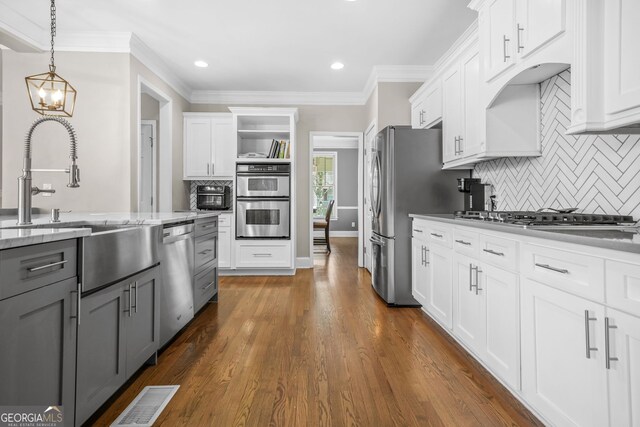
pixel 326 237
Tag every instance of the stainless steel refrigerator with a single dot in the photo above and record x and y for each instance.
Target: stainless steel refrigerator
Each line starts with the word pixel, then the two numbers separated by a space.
pixel 406 177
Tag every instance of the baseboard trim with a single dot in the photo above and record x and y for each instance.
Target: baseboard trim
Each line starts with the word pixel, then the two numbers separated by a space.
pixel 258 272
pixel 304 262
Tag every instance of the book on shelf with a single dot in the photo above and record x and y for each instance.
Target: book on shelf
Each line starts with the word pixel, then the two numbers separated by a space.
pixel 279 149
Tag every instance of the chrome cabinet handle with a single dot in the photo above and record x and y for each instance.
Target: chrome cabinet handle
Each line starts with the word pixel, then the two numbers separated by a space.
pixel 439 236
pixel 422 261
pixel 557 270
pixel 471 268
pixel 418 231
pixel 587 319
pixel 135 288
pixel 520 30
pixel 460 149
pixel 607 350
pixel 42 267
pixel 426 256
pixel 213 168
pixel 206 251
pixel 489 251
pixel 129 292
pixel 77 315
pixel 204 288
pixel 462 242
pixel 79 300
pixel 263 255
pixel 505 40
pixel 456 151
pixel 478 288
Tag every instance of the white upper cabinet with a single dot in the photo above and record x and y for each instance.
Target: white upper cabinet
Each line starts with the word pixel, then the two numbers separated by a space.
pixel 209 146
pixel 452 114
pixel 498 33
pixel 622 59
pixel 426 106
pixel 538 22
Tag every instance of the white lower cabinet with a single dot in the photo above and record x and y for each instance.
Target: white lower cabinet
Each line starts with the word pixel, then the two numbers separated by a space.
pixel 440 284
pixel 224 241
pixel 420 271
pixel 486 315
pixel 623 370
pixel 263 254
pixel 563 373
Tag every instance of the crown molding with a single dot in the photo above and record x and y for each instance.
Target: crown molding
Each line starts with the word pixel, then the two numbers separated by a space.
pixel 476 4
pixel 275 98
pixel 395 74
pixel 463 42
pixel 94 41
pixel 19 33
pixel 153 62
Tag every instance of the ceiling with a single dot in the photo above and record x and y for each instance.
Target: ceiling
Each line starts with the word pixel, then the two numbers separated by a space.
pixel 271 45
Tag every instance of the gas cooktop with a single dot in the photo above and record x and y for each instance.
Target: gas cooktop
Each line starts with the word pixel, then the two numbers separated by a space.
pixel 551 220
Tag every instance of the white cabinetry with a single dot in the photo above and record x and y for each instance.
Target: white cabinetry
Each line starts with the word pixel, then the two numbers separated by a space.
pixel 462 114
pixel 224 240
pixel 538 22
pixel 498 32
pixel 426 105
pixel 563 374
pixel 209 146
pixel 440 284
pixel 419 270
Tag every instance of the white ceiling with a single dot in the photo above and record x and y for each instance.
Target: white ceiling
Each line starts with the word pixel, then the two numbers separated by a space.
pixel 271 45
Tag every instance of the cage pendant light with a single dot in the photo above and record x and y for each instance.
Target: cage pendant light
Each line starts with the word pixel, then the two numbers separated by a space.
pixel 49 93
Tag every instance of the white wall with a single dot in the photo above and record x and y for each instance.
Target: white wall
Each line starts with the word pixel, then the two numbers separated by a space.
pixel 101 121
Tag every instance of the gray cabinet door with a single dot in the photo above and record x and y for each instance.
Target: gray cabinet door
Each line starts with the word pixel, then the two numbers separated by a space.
pixel 205 287
pixel 38 340
pixel 101 348
pixel 143 327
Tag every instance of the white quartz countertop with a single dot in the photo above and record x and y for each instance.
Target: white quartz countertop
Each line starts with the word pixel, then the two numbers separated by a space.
pixel 11 237
pixel 34 236
pixel 624 239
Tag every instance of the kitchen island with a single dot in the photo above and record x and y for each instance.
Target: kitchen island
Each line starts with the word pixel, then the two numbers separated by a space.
pixel 81 301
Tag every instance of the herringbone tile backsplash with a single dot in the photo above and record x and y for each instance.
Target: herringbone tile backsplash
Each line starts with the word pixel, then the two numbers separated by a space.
pixel 595 173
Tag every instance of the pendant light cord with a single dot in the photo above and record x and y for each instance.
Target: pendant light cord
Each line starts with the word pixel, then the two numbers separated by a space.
pixel 52 65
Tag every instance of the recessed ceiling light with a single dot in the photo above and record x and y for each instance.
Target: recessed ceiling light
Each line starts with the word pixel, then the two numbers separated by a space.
pixel 201 64
pixel 337 66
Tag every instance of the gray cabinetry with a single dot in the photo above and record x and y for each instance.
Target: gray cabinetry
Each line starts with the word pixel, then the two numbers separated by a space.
pixel 38 341
pixel 142 326
pixel 118 332
pixel 205 284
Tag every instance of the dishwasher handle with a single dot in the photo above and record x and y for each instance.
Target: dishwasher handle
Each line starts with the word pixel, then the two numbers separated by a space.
pixel 172 239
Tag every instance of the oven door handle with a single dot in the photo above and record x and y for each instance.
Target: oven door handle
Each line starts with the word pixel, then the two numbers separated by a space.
pixel 264 199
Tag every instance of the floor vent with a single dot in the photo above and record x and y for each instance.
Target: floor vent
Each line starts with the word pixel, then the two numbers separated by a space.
pixel 146 407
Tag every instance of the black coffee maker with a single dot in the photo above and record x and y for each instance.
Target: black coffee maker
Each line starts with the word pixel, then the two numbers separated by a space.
pixel 477 196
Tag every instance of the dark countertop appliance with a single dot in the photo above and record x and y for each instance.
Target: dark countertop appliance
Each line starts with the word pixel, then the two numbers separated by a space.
pixel 213 197
pixel 477 196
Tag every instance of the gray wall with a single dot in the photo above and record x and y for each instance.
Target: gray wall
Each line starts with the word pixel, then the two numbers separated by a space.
pixel 347 188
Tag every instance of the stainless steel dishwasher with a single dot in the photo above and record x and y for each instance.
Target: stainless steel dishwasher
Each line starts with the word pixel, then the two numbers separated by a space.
pixel 177 262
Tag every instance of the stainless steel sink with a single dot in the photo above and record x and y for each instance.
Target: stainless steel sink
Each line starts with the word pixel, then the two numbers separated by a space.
pixel 113 251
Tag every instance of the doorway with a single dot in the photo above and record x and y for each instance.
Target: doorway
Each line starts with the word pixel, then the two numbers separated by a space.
pixel 155 170
pixel 147 196
pixel 335 165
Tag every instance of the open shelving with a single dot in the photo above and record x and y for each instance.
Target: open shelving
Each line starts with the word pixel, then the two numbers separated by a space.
pixel 256 132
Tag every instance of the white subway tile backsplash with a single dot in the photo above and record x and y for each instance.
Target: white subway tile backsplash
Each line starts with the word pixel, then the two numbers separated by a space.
pixel 595 173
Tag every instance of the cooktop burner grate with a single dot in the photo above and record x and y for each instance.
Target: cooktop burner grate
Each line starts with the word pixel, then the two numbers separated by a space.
pixel 532 218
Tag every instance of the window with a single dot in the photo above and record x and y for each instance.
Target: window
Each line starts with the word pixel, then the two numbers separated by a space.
pixel 325 181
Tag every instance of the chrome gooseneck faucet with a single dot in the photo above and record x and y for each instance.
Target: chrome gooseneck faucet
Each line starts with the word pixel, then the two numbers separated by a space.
pixel 25 190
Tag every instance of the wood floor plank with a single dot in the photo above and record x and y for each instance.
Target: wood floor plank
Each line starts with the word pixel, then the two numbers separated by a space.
pixel 319 349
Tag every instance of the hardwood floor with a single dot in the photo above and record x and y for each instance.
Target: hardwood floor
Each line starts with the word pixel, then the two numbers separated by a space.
pixel 319 349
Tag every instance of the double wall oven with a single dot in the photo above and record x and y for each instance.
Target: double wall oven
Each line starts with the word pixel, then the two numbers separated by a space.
pixel 263 204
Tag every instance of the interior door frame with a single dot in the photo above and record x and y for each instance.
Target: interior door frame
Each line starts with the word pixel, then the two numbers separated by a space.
pixel 373 127
pixel 154 155
pixel 360 137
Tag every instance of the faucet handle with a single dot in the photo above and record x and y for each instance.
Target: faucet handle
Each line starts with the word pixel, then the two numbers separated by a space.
pixel 36 190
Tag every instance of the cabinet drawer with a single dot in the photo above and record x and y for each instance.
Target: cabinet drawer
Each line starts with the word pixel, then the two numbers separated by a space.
pixel 465 242
pixel 205 287
pixel 419 230
pixel 31 267
pixel 573 272
pixel 206 226
pixel 440 235
pixel 499 251
pixel 266 255
pixel 224 220
pixel 623 286
pixel 206 248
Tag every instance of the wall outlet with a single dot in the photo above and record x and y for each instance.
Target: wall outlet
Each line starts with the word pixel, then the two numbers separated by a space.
pixel 353 225
pixel 46 187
